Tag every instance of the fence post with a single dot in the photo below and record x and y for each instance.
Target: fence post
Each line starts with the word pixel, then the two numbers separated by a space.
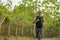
pixel 9 30
pixel 34 33
pixel 0 29
pixel 16 31
pixel 31 30
pixel 22 30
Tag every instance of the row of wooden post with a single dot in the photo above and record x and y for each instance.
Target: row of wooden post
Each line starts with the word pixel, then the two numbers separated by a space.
pixel 15 30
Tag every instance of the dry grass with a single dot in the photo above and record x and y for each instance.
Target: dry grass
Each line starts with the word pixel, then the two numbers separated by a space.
pixel 25 38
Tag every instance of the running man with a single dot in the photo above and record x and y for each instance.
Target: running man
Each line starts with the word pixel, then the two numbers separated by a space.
pixel 39 24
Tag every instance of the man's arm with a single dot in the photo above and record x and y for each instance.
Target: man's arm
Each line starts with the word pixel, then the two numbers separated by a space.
pixel 34 20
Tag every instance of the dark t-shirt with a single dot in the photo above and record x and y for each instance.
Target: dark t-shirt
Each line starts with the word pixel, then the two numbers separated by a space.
pixel 39 24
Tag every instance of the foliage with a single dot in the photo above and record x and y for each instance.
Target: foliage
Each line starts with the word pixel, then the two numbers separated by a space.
pixel 27 10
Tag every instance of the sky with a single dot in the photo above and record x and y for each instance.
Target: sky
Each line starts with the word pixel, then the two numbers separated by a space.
pixel 15 2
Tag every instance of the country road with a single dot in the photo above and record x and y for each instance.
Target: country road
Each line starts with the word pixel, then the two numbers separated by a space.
pixel 25 38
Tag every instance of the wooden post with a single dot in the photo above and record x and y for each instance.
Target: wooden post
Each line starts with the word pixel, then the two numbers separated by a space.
pixel 16 31
pixel 34 33
pixel 2 20
pixel 9 30
pixel 34 30
pixel 22 30
pixel 31 30
pixel 27 30
pixel 0 29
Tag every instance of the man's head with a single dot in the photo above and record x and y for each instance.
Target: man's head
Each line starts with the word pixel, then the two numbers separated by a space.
pixel 39 12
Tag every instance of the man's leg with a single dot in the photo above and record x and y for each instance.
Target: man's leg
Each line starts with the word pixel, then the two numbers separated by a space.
pixel 39 33
pixel 36 33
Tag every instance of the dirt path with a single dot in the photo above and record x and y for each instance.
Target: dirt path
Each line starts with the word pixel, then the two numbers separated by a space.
pixel 25 38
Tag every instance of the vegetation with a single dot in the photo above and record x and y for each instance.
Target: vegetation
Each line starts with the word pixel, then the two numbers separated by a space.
pixel 23 15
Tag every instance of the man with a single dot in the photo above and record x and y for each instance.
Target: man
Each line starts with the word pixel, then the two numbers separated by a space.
pixel 39 24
